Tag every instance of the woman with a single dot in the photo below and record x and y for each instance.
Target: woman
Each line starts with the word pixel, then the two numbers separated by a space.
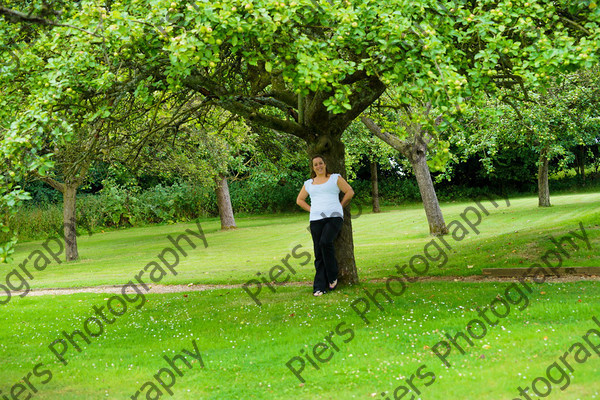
pixel 326 219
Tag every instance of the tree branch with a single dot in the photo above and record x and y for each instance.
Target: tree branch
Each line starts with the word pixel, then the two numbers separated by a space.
pixel 361 99
pixel 252 115
pixel 287 98
pixel 394 141
pixel 576 25
pixel 13 15
pixel 355 77
pixel 235 106
pixel 513 106
pixel 52 182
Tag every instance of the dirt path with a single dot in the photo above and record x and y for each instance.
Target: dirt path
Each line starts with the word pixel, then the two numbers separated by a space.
pixel 200 287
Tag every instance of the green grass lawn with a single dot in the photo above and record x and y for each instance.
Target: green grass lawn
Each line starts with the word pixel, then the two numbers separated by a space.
pixel 245 347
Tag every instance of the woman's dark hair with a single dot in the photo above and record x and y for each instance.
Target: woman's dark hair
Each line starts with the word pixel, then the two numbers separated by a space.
pixel 312 170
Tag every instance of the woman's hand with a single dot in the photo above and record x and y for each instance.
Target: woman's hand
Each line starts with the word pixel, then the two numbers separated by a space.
pixel 346 189
pixel 301 199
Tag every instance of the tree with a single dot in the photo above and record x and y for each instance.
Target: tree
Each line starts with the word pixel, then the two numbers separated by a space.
pixel 68 115
pixel 551 122
pixel 202 151
pixel 414 133
pixel 309 69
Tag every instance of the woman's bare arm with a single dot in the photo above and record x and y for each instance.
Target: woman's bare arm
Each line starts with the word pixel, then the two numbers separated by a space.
pixel 346 189
pixel 301 200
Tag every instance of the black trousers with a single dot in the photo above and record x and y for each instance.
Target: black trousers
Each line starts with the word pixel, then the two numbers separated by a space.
pixel 324 232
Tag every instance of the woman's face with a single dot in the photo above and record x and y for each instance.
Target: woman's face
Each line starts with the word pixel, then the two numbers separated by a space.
pixel 319 166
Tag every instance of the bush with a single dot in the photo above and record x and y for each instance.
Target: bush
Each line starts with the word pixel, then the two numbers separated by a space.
pixel 114 206
pixel 263 192
pixel 37 221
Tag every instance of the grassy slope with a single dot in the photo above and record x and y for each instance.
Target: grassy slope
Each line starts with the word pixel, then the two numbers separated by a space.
pixel 245 347
pixel 510 236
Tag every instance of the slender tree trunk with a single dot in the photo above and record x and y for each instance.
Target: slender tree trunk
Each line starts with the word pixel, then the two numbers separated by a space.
pixel 577 168
pixel 415 149
pixel 435 218
pixel 224 204
pixel 374 187
pixel 332 148
pixel 69 220
pixel 543 187
pixel 582 163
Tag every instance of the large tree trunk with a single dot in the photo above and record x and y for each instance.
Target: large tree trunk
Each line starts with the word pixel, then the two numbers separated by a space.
pixel 332 149
pixel 435 218
pixel 224 204
pixel 69 220
pixel 543 187
pixel 374 187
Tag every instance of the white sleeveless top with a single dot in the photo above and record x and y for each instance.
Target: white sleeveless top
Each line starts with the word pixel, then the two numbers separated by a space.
pixel 324 199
